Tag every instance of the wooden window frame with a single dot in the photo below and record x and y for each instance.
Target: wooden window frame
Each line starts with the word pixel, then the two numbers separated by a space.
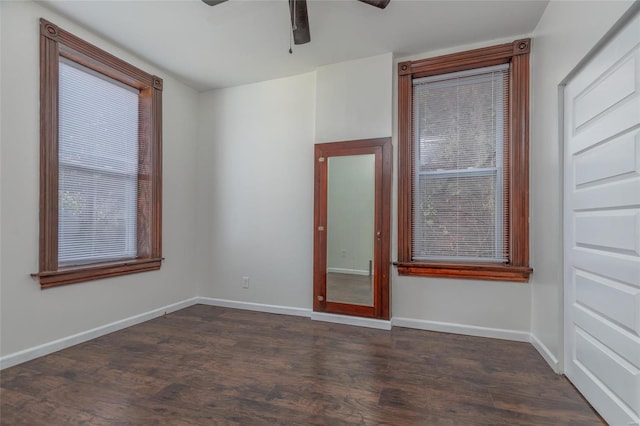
pixel 517 268
pixel 56 43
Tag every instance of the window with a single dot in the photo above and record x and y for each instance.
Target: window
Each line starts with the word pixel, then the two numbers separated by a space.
pixel 463 164
pixel 100 163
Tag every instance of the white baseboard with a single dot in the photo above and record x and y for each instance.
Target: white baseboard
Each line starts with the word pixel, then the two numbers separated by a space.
pixel 349 320
pixel 66 342
pixel 470 330
pixel 546 354
pixel 259 307
pixel 348 271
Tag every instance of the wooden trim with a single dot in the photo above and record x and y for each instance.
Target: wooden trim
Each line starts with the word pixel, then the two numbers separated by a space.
pixel 48 253
pixel 382 150
pixel 348 309
pixel 517 54
pixel 94 272
pixel 54 44
pixel 94 56
pixel 470 59
pixel 319 226
pixel 519 219
pixel 522 46
pixel 405 168
pixel 156 168
pixel 384 263
pixel 477 271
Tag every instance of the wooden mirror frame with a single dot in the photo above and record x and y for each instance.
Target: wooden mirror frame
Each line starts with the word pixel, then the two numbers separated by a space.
pixel 381 148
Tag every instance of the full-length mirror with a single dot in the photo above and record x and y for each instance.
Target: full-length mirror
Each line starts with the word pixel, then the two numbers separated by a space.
pixel 350 228
pixel 352 225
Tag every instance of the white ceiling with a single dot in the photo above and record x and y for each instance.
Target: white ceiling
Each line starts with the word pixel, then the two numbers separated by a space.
pixel 243 41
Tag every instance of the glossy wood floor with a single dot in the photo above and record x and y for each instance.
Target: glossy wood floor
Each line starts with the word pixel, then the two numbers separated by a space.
pixel 207 365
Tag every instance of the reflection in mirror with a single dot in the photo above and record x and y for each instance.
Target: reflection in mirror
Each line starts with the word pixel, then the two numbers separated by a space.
pixel 350 229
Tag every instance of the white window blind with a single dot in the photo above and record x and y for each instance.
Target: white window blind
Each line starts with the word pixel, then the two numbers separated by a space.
pixel 98 167
pixel 460 185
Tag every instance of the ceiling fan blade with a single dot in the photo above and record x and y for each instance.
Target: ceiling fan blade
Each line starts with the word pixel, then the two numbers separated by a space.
pixel 299 21
pixel 377 3
pixel 213 2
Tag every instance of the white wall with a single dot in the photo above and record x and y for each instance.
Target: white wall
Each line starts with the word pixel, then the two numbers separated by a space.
pixel 564 35
pixel 255 174
pixel 255 191
pixel 30 316
pixel 354 99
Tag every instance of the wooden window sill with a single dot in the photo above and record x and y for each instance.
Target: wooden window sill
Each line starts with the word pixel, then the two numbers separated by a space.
pixel 94 272
pixel 478 271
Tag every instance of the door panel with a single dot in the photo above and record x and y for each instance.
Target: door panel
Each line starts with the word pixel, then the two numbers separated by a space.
pixel 613 371
pixel 611 299
pixel 608 160
pixel 352 228
pixel 608 333
pixel 606 92
pixel 602 228
pixel 614 230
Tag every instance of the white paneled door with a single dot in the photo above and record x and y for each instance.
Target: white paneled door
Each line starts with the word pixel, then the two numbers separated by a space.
pixel 602 228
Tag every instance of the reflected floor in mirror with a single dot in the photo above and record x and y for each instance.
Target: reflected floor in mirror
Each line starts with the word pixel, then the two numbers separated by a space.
pixel 350 288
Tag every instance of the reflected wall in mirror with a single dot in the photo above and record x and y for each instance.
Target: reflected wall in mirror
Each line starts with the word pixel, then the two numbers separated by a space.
pixel 352 227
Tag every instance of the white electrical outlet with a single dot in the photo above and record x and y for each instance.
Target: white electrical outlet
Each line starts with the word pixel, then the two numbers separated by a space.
pixel 245 282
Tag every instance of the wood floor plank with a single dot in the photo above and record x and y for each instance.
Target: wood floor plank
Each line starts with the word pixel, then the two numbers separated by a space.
pixel 207 365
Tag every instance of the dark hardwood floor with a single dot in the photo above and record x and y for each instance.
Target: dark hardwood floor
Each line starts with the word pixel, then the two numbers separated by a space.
pixel 206 365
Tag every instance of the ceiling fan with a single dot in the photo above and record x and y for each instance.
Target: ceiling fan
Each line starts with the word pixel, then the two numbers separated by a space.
pixel 300 18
